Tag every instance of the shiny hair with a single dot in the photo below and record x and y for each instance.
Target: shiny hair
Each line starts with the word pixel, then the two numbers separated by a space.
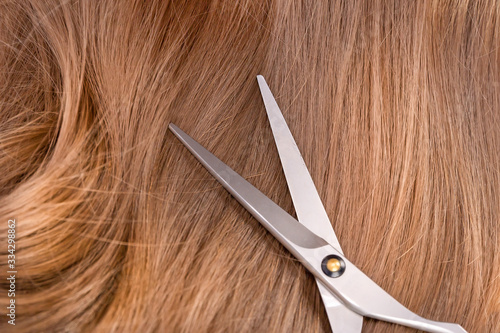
pixel 393 104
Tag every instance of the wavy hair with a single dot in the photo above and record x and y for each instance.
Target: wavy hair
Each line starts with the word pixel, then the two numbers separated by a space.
pixel 394 105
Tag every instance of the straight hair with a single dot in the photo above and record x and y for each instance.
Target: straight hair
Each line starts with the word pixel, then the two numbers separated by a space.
pixel 393 104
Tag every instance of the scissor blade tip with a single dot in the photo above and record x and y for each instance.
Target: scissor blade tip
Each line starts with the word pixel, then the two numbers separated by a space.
pixel 176 130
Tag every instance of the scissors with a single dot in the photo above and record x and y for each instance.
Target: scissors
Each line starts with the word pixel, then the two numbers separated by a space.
pixel 347 293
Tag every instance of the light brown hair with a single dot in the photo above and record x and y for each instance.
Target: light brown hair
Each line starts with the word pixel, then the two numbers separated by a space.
pixel 394 106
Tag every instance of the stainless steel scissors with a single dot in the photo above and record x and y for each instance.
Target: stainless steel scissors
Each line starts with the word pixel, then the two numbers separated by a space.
pixel 347 293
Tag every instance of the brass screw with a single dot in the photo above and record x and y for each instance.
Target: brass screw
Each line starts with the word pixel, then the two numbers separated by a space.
pixel 333 266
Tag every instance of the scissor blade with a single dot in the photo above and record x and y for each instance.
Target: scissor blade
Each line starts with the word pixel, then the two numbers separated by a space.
pixel 283 226
pixel 278 222
pixel 356 290
pixel 308 206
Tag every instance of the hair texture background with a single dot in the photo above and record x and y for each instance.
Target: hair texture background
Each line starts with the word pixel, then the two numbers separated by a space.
pixel 394 106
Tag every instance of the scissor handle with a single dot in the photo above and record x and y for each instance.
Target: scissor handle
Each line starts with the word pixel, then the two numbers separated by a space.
pixel 361 294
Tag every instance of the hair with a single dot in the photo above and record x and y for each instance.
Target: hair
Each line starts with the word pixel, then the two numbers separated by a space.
pixel 394 106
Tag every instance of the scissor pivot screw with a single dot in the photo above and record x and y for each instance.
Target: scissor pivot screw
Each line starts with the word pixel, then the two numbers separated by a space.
pixel 333 266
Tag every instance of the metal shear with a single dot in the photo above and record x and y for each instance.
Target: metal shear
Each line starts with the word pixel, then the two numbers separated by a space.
pixel 347 293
